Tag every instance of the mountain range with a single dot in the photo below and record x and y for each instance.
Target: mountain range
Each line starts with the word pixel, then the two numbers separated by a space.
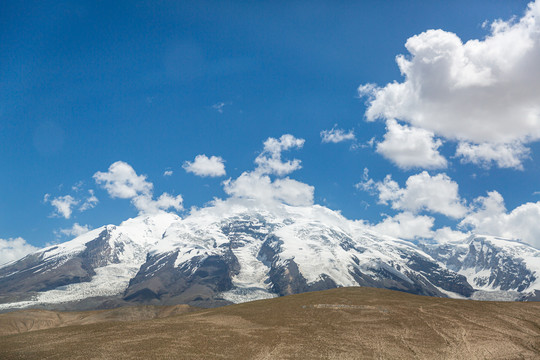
pixel 235 252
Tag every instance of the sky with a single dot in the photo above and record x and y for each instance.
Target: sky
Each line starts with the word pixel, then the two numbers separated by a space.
pixel 420 119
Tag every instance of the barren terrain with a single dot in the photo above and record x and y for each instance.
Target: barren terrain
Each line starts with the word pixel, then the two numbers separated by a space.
pixel 344 323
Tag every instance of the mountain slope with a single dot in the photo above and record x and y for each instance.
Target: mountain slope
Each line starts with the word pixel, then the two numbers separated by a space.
pixel 345 323
pixel 233 252
pixel 18 322
pixel 99 263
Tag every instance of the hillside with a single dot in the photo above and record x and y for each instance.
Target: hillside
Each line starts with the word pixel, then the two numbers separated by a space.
pixel 344 323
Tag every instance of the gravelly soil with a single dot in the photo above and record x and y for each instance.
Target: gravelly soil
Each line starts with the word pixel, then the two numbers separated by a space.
pixel 345 323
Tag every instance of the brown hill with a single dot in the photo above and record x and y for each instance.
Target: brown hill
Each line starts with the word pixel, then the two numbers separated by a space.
pixel 30 320
pixel 344 323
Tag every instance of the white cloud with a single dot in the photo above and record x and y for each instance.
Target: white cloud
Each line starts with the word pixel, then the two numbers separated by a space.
pixel 481 91
pixel 90 202
pixel 63 205
pixel 75 230
pixel 121 181
pixel 368 91
pixel 269 161
pixel 410 147
pixel 369 143
pixel 167 173
pixel 503 155
pixel 145 204
pixel 446 234
pixel 335 135
pixel 14 249
pixel 485 214
pixel 422 192
pixel 367 183
pixel 252 185
pixel 219 106
pixel 439 194
pixel 406 225
pixel 78 186
pixel 489 216
pixel 257 185
pixel 206 166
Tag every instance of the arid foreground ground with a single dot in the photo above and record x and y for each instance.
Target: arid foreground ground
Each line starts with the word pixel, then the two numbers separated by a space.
pixel 346 323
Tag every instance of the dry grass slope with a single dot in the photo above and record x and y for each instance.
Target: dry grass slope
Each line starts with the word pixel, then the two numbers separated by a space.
pixel 30 320
pixel 345 323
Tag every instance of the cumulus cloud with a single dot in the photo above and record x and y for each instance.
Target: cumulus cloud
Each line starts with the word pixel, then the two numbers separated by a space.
pixel 145 204
pixel 252 185
pixel 485 215
pixel 206 166
pixel 75 230
pixel 121 181
pixel 489 216
pixel 90 202
pixel 259 186
pixel 480 91
pixel 406 225
pixel 335 135
pixel 410 147
pixel 167 173
pixel 63 205
pixel 14 249
pixel 269 160
pixel 447 234
pixel 486 154
pixel 422 192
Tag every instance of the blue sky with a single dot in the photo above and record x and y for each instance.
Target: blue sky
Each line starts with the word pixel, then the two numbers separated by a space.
pixel 154 84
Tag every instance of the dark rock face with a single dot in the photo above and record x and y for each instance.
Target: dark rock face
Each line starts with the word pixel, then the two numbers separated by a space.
pixel 99 253
pixel 534 296
pixel 421 282
pixel 202 279
pixel 238 228
pixel 440 277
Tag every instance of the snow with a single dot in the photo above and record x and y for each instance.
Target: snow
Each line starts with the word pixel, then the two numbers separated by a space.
pixel 450 294
pixel 315 252
pixel 477 277
pixel 74 246
pixel 109 281
pixel 252 281
pixel 495 295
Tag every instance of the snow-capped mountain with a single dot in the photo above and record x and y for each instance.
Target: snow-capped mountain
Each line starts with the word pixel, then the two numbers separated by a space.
pixel 233 252
pixel 497 268
pixel 98 264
